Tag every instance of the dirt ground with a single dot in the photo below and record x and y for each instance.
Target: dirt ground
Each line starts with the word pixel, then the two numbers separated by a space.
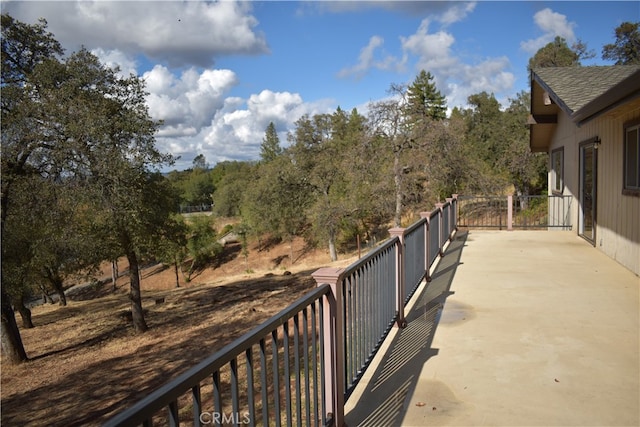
pixel 86 363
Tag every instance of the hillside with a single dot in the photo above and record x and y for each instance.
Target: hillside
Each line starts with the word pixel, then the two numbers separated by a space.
pixel 86 362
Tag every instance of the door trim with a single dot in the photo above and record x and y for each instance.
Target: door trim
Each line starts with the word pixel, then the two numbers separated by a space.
pixel 588 144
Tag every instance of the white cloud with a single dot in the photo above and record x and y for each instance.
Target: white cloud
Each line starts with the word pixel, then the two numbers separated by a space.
pixel 456 13
pixel 189 102
pixel 275 107
pixel 171 32
pixel 367 60
pixel 552 24
pixel 421 43
pixel 245 127
pixel 200 118
pixel 237 127
pixel 454 78
pixel 489 76
pixel 433 50
pixel 116 58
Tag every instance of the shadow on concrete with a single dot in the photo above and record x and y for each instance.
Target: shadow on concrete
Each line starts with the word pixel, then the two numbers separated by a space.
pixel 384 399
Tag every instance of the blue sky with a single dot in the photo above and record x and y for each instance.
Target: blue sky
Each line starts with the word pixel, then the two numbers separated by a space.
pixel 219 72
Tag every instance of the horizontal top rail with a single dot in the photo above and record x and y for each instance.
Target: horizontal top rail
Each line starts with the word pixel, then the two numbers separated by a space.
pixel 415 226
pixel 492 197
pixel 515 211
pixel 163 396
pixel 371 254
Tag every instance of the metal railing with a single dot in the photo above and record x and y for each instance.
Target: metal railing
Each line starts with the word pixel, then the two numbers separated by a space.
pixel 369 308
pixel 300 366
pixel 415 238
pixel 272 375
pixel 372 292
pixel 511 212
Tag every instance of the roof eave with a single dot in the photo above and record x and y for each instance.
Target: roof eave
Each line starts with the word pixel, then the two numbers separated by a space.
pixel 552 95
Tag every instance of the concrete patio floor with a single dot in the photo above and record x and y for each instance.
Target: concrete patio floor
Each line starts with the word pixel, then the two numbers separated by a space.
pixel 521 328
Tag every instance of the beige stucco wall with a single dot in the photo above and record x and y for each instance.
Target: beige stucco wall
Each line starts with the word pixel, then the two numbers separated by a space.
pixel 618 215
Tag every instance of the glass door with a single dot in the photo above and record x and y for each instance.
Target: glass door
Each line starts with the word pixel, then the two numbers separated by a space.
pixel 588 181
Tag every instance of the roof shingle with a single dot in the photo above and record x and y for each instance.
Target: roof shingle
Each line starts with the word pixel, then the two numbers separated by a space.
pixel 577 86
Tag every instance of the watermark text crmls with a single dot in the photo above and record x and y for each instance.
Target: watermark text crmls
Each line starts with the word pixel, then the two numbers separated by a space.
pixel 222 418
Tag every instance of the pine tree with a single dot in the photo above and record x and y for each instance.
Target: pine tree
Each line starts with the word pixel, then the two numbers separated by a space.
pixel 270 148
pixel 424 100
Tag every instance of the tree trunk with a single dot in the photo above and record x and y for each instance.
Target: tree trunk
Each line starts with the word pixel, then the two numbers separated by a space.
pixel 190 271
pixel 12 345
pixel 332 246
pixel 114 273
pixel 397 180
pixel 291 250
pixel 25 313
pixel 45 295
pixel 175 267
pixel 137 315
pixel 56 281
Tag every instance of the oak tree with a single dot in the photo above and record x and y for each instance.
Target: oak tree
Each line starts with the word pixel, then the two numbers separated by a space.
pixel 24 47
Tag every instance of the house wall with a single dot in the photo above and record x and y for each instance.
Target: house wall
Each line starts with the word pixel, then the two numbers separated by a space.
pixel 617 215
pixel 565 138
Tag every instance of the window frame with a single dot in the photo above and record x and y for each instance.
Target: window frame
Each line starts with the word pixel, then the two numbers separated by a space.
pixel 633 190
pixel 557 179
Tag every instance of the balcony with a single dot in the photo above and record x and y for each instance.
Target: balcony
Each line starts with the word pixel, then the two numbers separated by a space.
pixel 515 328
pixel 437 326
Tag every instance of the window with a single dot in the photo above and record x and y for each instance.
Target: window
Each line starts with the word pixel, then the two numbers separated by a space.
pixel 557 170
pixel 632 160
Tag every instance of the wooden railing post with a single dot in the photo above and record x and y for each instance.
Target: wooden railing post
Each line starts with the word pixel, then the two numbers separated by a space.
pixel 400 279
pixel 334 352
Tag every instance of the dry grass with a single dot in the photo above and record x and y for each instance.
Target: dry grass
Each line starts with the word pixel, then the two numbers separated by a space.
pixel 86 364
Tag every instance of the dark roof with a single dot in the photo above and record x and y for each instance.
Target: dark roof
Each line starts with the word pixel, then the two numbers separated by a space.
pixel 582 93
pixel 590 88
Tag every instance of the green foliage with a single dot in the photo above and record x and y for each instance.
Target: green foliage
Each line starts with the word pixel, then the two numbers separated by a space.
pixel 424 100
pixel 226 229
pixel 201 243
pixel 558 54
pixel 323 148
pixel 276 201
pixel 270 147
pixel 231 180
pixel 171 245
pixel 23 48
pixel 195 186
pixel 500 141
pixel 200 162
pixel 243 231
pixel 485 130
pixel 527 171
pixel 626 49
pixel 75 124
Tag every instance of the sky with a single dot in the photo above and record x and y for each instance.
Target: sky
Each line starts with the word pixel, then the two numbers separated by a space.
pixel 218 73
